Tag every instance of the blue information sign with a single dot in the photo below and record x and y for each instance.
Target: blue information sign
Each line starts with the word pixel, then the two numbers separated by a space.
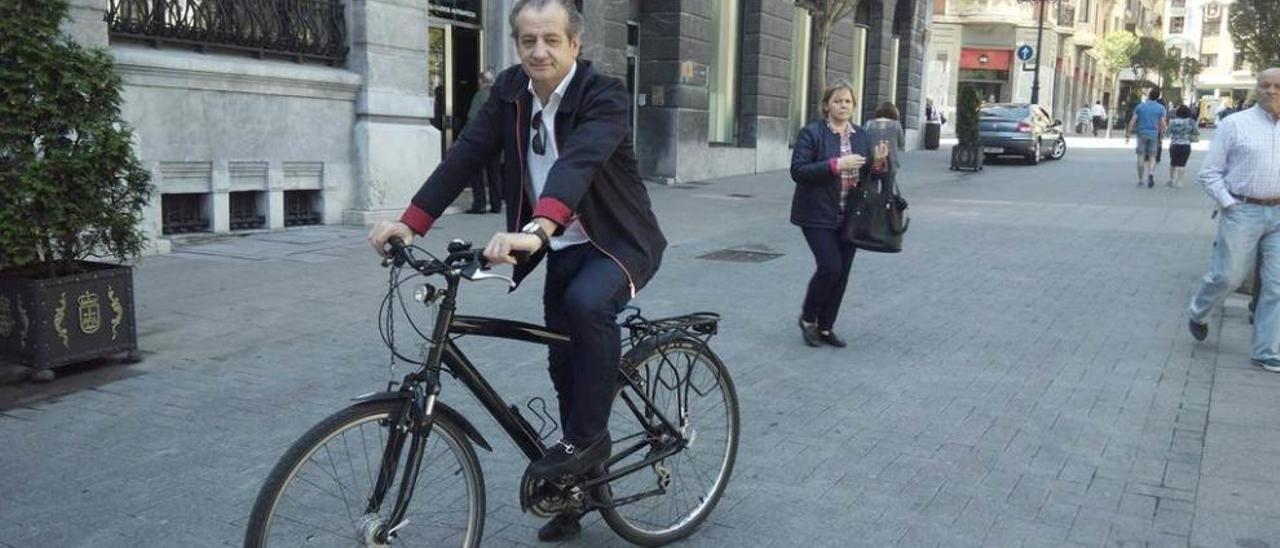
pixel 1025 52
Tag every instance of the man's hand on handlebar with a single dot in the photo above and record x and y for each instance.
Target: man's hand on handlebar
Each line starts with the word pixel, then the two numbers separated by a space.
pixel 503 245
pixel 382 232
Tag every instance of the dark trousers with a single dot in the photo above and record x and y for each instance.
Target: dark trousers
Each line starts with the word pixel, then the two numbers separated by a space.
pixel 826 288
pixel 1098 123
pixel 585 291
pixel 487 185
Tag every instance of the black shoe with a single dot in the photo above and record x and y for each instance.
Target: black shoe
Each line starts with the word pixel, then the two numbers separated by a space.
pixel 810 333
pixel 476 210
pixel 561 527
pixel 831 339
pixel 1151 181
pixel 1198 330
pixel 495 209
pixel 566 459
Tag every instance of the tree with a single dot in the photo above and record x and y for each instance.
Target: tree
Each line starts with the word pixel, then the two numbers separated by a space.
pixel 826 13
pixel 1188 70
pixel 1171 69
pixel 70 185
pixel 1148 56
pixel 1115 52
pixel 1255 29
pixel 967 116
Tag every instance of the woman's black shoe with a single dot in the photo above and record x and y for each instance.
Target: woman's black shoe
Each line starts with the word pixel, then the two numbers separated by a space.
pixel 810 333
pixel 561 527
pixel 831 339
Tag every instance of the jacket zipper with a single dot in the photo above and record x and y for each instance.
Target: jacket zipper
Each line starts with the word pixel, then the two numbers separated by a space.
pixel 630 284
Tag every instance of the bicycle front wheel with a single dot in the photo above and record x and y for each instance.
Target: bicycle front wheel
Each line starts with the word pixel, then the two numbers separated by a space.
pixel 319 493
pixel 665 500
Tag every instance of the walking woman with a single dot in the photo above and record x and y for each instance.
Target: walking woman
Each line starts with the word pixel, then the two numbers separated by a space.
pixel 886 137
pixel 1182 132
pixel 829 158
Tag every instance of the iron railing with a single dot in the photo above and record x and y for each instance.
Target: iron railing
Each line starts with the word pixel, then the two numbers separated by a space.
pixel 303 29
pixel 300 207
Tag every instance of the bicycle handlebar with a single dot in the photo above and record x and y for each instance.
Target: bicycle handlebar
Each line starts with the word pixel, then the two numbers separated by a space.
pixel 469 263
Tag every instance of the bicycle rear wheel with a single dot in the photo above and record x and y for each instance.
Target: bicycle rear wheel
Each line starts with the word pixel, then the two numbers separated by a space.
pixel 318 493
pixel 667 500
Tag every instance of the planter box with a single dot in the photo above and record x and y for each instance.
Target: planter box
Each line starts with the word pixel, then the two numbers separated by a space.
pixel 50 322
pixel 966 158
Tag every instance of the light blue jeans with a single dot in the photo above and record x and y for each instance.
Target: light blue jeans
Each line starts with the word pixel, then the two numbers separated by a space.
pixel 1243 230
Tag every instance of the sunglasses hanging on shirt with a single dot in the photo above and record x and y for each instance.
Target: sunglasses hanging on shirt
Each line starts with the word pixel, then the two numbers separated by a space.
pixel 539 146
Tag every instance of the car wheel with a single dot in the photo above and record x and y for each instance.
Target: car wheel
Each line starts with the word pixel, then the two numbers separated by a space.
pixel 1036 154
pixel 1059 149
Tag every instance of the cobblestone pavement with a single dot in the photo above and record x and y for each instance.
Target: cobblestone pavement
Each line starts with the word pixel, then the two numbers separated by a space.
pixel 1020 376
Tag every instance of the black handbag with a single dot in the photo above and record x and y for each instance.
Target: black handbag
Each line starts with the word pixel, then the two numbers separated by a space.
pixel 876 220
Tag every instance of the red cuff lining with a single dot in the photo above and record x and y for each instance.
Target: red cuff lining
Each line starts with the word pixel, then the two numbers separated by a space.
pixel 553 209
pixel 417 219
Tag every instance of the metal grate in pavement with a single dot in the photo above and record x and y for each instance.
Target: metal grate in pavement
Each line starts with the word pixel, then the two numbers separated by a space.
pixel 740 256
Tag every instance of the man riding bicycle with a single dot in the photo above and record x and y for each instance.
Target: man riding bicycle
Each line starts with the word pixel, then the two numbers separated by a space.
pixel 575 197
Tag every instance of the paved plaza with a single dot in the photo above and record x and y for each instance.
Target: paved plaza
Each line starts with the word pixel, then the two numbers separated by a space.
pixel 1020 376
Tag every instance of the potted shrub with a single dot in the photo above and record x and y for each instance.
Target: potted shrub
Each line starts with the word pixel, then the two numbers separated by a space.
pixel 967 153
pixel 71 195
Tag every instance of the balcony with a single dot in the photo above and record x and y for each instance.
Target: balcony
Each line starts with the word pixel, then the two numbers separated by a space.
pixel 299 29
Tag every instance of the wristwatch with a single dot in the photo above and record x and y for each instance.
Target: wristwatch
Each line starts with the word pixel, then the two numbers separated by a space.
pixel 536 229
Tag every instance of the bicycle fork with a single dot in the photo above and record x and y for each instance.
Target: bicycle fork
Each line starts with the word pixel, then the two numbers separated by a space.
pixel 414 424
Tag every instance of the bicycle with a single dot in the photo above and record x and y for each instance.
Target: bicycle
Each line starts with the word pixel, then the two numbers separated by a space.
pixel 352 478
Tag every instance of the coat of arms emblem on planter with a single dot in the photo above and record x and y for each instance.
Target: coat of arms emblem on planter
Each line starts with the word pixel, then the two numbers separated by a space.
pixel 90 313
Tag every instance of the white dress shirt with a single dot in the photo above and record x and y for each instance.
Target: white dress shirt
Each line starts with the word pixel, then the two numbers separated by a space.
pixel 1099 111
pixel 1244 158
pixel 540 164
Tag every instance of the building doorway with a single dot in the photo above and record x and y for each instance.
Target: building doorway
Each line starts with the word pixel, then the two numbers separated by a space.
pixel 454 59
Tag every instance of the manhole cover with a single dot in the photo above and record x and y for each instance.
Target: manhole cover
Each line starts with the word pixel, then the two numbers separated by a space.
pixel 740 256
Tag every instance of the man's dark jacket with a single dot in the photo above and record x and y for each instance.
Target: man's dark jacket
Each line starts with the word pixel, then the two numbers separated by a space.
pixel 594 179
pixel 816 203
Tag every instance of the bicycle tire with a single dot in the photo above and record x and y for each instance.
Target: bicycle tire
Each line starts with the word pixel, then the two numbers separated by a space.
pixel 286 474
pixel 620 518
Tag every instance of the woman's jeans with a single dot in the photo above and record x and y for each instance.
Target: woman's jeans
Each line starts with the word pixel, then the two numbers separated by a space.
pixel 1243 231
pixel 826 288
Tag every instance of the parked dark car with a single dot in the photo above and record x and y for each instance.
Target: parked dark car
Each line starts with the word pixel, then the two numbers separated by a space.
pixel 1020 129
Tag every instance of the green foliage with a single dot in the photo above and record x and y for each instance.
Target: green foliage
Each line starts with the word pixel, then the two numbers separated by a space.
pixel 1148 56
pixel 1116 50
pixel 1255 29
pixel 967 116
pixel 1190 69
pixel 70 185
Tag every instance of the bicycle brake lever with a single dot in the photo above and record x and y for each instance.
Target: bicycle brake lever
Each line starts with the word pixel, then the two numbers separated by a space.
pixel 480 275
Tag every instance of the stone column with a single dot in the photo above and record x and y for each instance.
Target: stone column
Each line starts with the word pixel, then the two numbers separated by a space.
pixel 878 86
pixel 395 145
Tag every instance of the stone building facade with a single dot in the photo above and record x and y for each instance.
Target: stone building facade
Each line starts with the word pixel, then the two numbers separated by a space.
pixel 335 111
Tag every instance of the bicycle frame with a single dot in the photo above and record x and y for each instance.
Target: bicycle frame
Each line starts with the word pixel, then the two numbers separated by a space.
pixel 420 388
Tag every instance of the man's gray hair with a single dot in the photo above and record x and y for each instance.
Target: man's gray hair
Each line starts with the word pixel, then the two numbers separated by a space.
pixel 575 16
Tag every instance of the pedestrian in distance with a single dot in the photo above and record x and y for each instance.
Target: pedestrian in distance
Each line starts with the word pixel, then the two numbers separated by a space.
pixel 1183 131
pixel 1084 119
pixel 1148 121
pixel 486 187
pixel 1240 175
pixel 828 161
pixel 574 198
pixel 887 138
pixel 1099 117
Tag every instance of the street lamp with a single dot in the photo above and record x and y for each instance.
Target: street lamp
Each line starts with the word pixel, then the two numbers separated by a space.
pixel 1035 78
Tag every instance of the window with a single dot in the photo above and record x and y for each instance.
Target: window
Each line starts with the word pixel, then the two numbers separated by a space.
pixel 1209 60
pixel 722 74
pixel 801 29
pixel 1212 28
pixel 1176 24
pixel 858 76
pixel 1084 11
pixel 1237 62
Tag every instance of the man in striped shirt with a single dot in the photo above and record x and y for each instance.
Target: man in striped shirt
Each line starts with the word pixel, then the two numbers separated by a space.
pixel 1242 174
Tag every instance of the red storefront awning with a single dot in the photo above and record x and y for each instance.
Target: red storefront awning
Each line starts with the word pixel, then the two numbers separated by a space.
pixel 985 59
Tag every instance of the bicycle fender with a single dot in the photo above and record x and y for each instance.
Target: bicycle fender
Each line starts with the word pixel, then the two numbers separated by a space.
pixel 441 408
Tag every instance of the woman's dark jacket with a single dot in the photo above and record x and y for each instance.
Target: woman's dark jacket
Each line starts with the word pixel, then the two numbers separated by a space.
pixel 816 202
pixel 595 179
